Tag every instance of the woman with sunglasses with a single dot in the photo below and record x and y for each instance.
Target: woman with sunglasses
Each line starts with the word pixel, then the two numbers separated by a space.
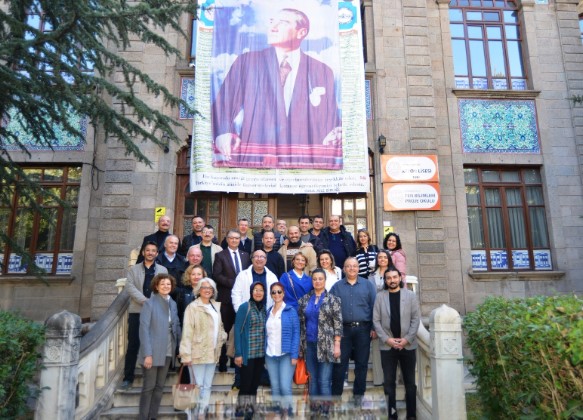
pixel 202 339
pixel 282 346
pixel 320 333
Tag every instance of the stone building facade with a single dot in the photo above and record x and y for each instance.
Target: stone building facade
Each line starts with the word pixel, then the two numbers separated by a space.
pixel 496 109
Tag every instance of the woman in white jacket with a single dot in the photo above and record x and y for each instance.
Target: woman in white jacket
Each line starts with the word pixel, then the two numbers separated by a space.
pixel 203 336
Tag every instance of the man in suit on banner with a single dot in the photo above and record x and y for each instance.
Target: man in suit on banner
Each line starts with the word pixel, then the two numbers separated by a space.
pixel 277 107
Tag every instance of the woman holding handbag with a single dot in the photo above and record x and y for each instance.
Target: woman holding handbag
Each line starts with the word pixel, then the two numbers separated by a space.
pixel 282 346
pixel 159 334
pixel 202 339
pixel 320 333
pixel 295 282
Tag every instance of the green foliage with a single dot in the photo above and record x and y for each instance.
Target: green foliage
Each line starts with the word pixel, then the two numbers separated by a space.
pixel 528 357
pixel 76 65
pixel 20 343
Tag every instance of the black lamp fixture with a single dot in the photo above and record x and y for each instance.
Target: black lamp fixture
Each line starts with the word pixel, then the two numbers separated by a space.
pixel 382 143
pixel 166 142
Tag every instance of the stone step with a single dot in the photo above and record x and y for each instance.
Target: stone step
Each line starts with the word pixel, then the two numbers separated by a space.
pixel 372 407
pixel 227 378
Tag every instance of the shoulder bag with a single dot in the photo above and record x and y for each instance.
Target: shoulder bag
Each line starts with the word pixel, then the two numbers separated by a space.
pixel 185 396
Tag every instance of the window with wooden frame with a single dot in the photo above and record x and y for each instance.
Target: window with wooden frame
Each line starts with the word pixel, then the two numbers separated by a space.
pixel 487 45
pixel 47 237
pixel 507 220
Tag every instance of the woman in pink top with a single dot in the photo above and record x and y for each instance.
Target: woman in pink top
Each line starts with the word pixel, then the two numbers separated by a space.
pixel 392 242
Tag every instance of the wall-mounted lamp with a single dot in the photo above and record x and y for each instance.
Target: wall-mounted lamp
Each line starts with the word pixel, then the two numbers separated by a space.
pixel 382 143
pixel 166 142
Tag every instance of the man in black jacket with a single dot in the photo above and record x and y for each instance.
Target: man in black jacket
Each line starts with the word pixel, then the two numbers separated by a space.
pixel 267 224
pixel 306 236
pixel 338 240
pixel 158 237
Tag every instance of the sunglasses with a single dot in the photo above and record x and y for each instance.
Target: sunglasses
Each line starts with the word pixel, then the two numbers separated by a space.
pixel 277 292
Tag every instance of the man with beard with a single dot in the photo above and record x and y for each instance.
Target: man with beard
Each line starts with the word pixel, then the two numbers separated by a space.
pixel 307 236
pixel 138 286
pixel 396 318
pixel 296 245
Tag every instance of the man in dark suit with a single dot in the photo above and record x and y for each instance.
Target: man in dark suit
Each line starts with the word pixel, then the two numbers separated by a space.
pixel 228 263
pixel 246 243
pixel 294 122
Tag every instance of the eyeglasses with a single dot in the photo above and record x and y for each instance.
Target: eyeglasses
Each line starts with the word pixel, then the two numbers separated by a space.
pixel 206 288
pixel 277 292
pixel 259 257
pixel 233 237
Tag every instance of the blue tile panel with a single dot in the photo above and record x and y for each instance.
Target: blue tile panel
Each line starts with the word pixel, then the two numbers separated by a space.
pixel 498 126
pixel 367 98
pixel 63 141
pixel 187 95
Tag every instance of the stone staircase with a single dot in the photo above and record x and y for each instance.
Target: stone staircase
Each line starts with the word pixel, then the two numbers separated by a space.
pixel 223 399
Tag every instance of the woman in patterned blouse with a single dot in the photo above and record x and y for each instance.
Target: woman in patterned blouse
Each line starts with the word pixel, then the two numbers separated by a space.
pixel 320 333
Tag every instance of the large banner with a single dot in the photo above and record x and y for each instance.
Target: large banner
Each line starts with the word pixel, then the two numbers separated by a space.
pixel 279 98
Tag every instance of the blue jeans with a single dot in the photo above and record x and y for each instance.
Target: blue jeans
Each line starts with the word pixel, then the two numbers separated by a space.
pixel 203 377
pixel 320 372
pixel 356 343
pixel 281 373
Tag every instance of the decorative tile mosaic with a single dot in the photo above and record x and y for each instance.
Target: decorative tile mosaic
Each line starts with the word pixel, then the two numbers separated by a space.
pixel 498 126
pixel 367 99
pixel 187 95
pixel 63 140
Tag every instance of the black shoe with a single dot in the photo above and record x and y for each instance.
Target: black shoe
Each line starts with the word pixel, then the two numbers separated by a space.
pixel 222 367
pixel 125 385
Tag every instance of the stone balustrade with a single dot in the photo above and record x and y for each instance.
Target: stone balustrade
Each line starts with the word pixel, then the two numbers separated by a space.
pixel 81 373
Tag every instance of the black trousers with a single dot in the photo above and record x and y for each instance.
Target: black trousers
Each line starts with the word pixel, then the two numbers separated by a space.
pixel 251 376
pixel 133 347
pixel 407 360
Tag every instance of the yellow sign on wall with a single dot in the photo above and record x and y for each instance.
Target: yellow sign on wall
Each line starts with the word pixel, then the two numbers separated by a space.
pixel 159 212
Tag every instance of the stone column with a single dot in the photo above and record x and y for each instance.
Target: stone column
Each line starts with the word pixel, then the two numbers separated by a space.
pixel 58 379
pixel 447 365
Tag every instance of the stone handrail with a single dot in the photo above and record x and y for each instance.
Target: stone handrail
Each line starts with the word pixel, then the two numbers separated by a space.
pixel 424 389
pixel 101 359
pixel 81 373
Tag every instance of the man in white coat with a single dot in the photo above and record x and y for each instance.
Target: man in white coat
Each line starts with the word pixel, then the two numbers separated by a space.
pixel 256 272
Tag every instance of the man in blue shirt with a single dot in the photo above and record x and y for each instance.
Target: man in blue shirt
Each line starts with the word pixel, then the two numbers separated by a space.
pixel 357 296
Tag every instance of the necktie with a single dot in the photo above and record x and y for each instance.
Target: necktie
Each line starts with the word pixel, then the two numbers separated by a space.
pixel 237 266
pixel 284 70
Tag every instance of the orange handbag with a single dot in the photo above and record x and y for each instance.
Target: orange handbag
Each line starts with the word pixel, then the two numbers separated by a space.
pixel 301 375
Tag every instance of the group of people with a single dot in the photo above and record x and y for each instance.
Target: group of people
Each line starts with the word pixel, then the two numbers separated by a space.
pixel 271 299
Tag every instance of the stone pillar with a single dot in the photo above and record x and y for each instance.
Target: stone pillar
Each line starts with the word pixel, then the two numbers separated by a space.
pixel 58 379
pixel 447 365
